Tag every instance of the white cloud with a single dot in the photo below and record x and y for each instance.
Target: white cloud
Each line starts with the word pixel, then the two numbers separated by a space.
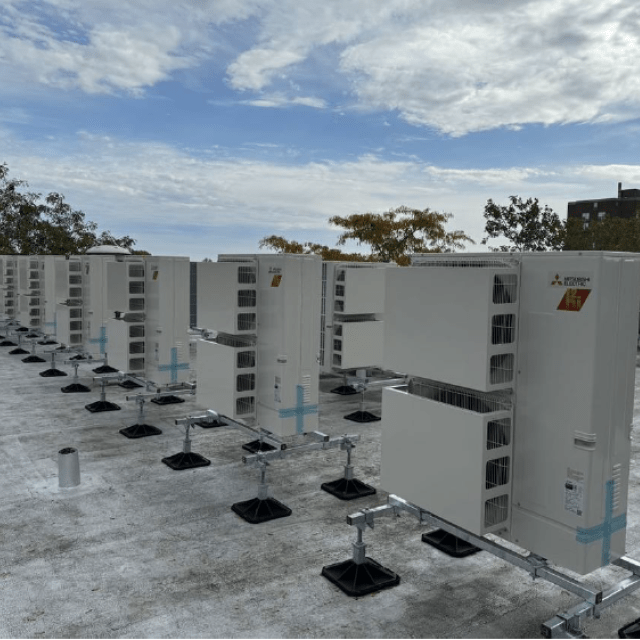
pixel 276 100
pixel 456 66
pixel 177 202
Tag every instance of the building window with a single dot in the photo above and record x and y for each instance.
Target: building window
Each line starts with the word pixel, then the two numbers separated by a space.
pixel 601 215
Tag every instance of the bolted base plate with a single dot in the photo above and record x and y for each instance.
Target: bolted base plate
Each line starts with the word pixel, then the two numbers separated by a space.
pixel 162 400
pixel 449 544
pixel 256 511
pixel 130 384
pixel 33 359
pixel 348 489
pixel 182 460
pixel 76 387
pixel 631 630
pixel 102 405
pixel 211 424
pixel 8 343
pixel 18 352
pixel 256 446
pixel 344 390
pixel 105 368
pixel 362 416
pixel 140 431
pixel 52 373
pixel 360 579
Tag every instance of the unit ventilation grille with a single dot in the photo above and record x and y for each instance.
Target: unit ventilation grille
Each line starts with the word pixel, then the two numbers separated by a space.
pixel 503 328
pixel 501 368
pixel 505 288
pixel 468 399
pixel 235 341
pixel 496 510
pixel 460 262
pixel 498 433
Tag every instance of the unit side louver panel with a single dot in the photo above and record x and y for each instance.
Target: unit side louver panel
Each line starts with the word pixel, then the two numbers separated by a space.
pixel 437 436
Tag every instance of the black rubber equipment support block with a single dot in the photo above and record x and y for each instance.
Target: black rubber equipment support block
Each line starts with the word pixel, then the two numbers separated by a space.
pixel 76 387
pixel 360 579
pixel 211 424
pixel 8 343
pixel 140 431
pixel 105 368
pixel 449 544
pixel 78 357
pixel 130 384
pixel 102 405
pixel 256 511
pixel 182 460
pixel 32 335
pixel 362 416
pixel 348 489
pixel 631 630
pixel 22 330
pixel 256 446
pixel 344 390
pixel 45 342
pixel 18 352
pixel 162 400
pixel 33 359
pixel 52 373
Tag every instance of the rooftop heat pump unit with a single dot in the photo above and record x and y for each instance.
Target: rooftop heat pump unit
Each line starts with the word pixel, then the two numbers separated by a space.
pixel 147 332
pixel 351 330
pixel 516 420
pixel 263 364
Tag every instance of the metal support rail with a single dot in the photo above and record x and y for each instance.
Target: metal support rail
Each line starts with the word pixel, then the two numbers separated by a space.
pixel 564 625
pixel 323 441
pixel 262 434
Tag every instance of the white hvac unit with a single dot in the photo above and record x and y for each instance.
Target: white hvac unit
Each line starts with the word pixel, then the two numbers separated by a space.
pixel 536 450
pixel 9 286
pixel 147 334
pixel 353 302
pixel 31 290
pixel 267 306
pixel 68 321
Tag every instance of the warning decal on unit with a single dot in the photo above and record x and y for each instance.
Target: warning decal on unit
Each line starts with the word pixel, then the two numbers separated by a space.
pixel 574 492
pixel 276 280
pixel 573 299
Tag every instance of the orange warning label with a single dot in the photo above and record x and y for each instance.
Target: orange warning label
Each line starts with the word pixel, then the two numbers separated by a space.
pixel 275 281
pixel 573 299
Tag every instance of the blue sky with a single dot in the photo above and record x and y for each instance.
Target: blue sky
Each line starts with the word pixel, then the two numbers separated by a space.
pixel 200 127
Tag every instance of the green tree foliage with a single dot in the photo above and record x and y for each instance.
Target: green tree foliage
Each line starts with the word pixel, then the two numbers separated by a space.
pixel 524 224
pixel 610 234
pixel 281 245
pixel 390 236
pixel 29 226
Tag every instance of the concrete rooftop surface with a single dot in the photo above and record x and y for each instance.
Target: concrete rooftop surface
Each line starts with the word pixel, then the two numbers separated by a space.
pixel 139 550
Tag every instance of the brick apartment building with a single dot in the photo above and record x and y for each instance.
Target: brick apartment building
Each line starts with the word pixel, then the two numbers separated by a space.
pixel 624 206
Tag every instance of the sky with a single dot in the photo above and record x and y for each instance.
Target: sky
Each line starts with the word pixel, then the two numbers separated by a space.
pixel 200 127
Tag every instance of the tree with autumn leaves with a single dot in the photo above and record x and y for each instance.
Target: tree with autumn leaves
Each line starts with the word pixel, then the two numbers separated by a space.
pixel 391 236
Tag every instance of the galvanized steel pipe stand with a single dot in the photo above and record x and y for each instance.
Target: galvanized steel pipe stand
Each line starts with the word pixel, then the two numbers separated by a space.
pixel 34 357
pixel 171 396
pixel 53 371
pixel 19 351
pixel 255 511
pixel 103 404
pixel 186 459
pixel 564 625
pixel 348 487
pixel 361 385
pixel 104 368
pixel 75 386
pixel 127 381
pixel 140 429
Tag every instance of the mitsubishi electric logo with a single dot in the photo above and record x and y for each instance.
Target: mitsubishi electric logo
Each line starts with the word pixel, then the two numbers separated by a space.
pixel 574 280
